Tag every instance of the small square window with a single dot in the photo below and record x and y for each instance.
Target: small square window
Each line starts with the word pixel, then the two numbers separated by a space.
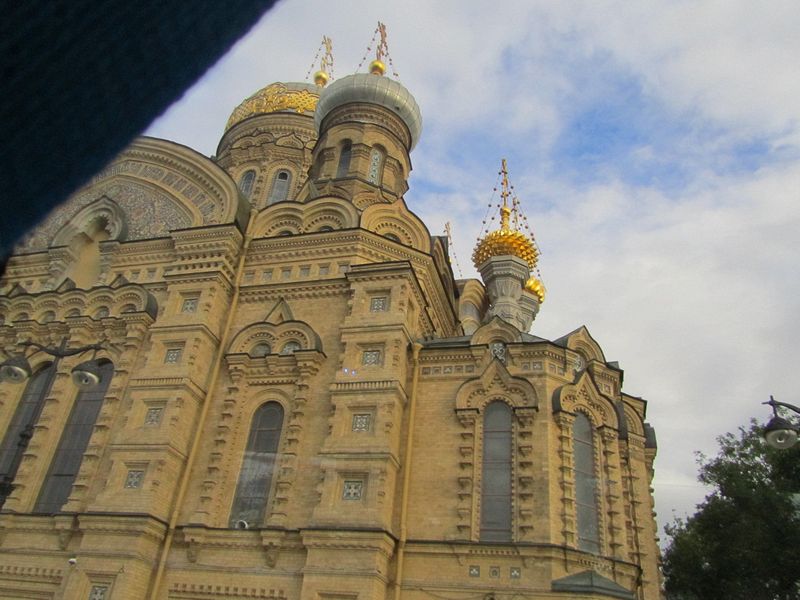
pixel 135 275
pixel 134 479
pixel 474 571
pixel 153 416
pixel 344 267
pixel 151 273
pixel 378 304
pixel 173 356
pixel 371 357
pixel 189 305
pixel 515 572
pixel 249 276
pixel 352 490
pixel 305 271
pixel 362 422
pixel 98 592
pixel 324 269
pixel 494 572
pixel 286 273
pixel 266 275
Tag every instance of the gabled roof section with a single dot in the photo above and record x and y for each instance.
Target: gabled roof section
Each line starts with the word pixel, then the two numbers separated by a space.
pixel 496 330
pixel 582 341
pixel 279 313
pixel 589 582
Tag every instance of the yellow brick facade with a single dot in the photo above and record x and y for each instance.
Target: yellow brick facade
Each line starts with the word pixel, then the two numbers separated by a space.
pixel 195 288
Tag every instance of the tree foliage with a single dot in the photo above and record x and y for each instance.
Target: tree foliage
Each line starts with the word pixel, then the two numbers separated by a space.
pixel 743 543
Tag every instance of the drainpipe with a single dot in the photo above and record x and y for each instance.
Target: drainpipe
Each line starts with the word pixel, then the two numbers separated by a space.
pixel 214 375
pixel 412 409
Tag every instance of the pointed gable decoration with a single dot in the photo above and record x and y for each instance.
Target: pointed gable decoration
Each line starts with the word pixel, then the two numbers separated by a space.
pixel 17 290
pixel 589 582
pixel 279 313
pixel 496 330
pixel 582 341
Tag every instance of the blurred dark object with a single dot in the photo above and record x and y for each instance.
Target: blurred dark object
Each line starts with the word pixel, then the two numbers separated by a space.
pixel 81 79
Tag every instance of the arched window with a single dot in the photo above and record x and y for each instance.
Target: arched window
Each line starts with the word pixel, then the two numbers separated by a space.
pixel 375 174
pixel 585 484
pixel 48 317
pixel 260 350
pixel 280 187
pixel 74 440
pixel 290 348
pixel 20 429
pixel 344 159
pixel 496 478
pixel 255 478
pixel 246 183
pixel 325 229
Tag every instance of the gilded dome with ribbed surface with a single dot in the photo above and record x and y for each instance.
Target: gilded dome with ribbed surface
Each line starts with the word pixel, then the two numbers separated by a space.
pixel 300 98
pixel 506 242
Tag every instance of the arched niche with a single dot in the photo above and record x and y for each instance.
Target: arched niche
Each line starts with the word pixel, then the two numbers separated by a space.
pixel 584 395
pixel 159 186
pixel 395 219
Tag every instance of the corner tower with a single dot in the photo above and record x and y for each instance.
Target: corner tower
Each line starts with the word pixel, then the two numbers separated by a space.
pixel 367 125
pixel 505 258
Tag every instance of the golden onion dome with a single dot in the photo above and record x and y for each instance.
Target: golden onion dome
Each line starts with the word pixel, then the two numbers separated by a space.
pixel 536 287
pixel 299 98
pixel 505 242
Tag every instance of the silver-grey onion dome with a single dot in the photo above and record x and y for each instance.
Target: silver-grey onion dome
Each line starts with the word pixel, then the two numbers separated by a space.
pixel 373 89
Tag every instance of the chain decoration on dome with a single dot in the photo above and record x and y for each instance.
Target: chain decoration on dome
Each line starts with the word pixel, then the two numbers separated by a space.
pixel 451 251
pixel 378 66
pixel 514 237
pixel 325 57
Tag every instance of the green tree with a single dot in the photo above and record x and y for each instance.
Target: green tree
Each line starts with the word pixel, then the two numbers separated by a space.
pixel 743 543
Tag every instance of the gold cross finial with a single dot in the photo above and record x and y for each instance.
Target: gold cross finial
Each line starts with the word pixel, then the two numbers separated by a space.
pixel 505 192
pixel 325 56
pixel 383 48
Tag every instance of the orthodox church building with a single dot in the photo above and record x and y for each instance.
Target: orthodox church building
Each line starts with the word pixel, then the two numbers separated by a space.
pixel 255 376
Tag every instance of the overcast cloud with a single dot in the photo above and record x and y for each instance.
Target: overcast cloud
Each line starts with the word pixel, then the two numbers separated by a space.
pixel 656 151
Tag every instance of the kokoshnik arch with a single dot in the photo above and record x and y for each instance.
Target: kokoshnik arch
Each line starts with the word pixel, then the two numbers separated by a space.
pixel 296 398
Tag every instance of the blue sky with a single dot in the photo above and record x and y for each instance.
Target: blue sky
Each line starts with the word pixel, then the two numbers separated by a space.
pixel 655 148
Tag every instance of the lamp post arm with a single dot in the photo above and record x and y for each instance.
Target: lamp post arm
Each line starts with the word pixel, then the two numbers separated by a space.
pixel 774 404
pixel 62 352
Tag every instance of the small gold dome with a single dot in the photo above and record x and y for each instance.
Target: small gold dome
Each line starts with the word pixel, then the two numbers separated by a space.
pixel 298 98
pixel 504 242
pixel 536 287
pixel 321 78
pixel 376 67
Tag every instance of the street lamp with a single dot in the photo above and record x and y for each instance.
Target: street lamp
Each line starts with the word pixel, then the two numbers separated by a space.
pixel 86 375
pixel 17 369
pixel 779 432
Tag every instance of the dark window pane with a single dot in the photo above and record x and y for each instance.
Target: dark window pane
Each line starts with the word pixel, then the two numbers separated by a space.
pixel 585 485
pixel 280 187
pixel 344 159
pixel 258 466
pixel 26 415
pixel 74 440
pixel 496 477
pixel 246 183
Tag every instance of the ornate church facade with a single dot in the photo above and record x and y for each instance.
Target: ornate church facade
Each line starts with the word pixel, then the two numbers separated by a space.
pixel 255 376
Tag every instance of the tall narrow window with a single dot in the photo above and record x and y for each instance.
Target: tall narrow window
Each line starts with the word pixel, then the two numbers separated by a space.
pixel 585 485
pixel 344 159
pixel 246 183
pixel 20 429
pixel 74 440
pixel 280 187
pixel 258 466
pixel 375 174
pixel 496 479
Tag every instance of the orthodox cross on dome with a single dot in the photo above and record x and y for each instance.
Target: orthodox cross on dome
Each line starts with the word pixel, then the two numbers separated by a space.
pixel 513 238
pixel 378 65
pixel 325 57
